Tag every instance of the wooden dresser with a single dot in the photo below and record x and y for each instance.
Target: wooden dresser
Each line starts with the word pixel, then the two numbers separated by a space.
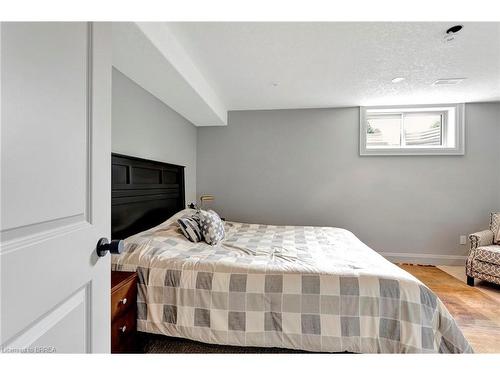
pixel 123 312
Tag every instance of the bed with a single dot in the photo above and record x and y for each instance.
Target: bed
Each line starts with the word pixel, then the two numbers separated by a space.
pixel 310 288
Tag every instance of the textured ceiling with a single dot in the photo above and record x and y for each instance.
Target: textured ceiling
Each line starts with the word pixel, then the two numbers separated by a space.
pixel 342 64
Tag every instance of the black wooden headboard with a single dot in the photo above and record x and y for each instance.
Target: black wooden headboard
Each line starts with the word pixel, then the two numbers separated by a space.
pixel 144 193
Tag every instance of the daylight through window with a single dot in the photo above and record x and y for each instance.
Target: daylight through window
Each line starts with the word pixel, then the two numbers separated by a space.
pixel 412 130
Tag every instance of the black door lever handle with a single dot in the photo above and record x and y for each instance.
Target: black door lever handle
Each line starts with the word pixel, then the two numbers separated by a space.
pixel 114 247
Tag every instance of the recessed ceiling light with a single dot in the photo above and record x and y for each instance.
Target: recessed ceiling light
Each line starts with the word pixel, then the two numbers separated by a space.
pixel 447 81
pixel 398 79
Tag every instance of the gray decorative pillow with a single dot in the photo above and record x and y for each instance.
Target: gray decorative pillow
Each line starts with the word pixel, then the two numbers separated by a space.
pixel 190 227
pixel 212 227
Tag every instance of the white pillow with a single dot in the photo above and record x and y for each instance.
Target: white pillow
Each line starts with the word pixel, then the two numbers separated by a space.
pixel 212 227
pixel 497 236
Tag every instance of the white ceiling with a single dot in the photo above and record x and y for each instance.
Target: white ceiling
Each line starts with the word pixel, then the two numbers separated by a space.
pixel 342 64
pixel 149 55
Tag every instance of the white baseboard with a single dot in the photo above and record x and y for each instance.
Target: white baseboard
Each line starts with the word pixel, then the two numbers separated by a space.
pixel 430 259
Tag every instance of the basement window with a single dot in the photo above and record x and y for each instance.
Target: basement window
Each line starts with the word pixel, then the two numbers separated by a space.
pixel 412 130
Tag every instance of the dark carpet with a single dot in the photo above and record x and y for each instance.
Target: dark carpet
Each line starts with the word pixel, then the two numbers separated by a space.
pixel 156 344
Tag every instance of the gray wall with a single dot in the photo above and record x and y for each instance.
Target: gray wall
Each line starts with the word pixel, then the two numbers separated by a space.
pixel 302 167
pixel 143 126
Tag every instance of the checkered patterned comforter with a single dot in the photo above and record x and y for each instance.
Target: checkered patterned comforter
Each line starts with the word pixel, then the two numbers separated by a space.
pixel 309 288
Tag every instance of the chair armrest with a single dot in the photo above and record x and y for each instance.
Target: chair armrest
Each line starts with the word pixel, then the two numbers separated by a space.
pixel 483 238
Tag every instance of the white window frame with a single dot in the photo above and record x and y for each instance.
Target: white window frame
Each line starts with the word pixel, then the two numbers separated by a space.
pixel 443 109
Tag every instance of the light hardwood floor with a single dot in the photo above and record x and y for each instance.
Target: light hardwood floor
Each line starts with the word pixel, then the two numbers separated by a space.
pixel 458 272
pixel 475 309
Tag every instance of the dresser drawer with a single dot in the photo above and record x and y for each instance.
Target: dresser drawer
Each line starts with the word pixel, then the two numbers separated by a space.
pixel 123 332
pixel 123 312
pixel 123 299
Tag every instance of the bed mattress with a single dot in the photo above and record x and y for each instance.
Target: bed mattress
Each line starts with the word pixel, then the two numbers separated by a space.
pixel 309 288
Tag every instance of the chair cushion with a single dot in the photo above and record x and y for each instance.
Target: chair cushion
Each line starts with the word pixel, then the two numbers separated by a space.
pixel 488 254
pixel 495 224
pixel 485 268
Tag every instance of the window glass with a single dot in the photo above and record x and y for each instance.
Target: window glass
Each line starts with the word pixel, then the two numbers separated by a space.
pixel 434 129
pixel 423 130
pixel 383 131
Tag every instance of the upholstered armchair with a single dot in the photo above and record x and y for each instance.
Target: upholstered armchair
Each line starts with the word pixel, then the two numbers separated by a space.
pixel 483 261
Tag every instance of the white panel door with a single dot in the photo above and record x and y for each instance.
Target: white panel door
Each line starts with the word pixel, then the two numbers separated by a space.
pixel 55 186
